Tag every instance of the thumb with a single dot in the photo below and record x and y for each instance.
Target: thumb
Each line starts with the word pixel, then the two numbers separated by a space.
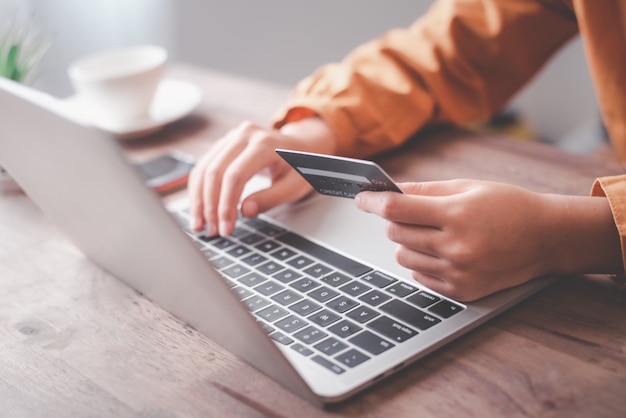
pixel 285 190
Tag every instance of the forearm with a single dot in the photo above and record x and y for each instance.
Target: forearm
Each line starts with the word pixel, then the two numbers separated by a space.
pixel 460 62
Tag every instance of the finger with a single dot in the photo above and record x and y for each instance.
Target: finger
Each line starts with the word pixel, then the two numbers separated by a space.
pixel 249 162
pixel 435 188
pixel 286 189
pixel 213 182
pixel 197 187
pixel 433 283
pixel 419 261
pixel 405 208
pixel 415 237
pixel 195 192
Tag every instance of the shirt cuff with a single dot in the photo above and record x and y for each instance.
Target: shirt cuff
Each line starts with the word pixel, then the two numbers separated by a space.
pixel 614 189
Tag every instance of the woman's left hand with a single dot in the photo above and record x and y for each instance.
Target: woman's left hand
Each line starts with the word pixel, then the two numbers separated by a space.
pixel 467 239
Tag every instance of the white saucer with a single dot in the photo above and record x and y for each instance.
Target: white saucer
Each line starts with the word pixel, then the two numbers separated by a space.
pixel 174 99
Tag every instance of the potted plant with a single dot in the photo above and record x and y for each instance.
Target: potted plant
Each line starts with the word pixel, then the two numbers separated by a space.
pixel 22 46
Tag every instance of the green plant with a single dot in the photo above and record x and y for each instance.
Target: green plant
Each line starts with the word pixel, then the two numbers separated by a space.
pixel 22 46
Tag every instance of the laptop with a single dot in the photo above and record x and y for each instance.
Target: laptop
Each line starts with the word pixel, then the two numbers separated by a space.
pixel 308 293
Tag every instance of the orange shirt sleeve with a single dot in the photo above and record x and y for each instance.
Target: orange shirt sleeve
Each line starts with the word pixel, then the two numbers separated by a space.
pixel 614 189
pixel 460 62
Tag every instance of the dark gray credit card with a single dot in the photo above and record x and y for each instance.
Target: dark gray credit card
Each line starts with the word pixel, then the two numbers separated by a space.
pixel 339 176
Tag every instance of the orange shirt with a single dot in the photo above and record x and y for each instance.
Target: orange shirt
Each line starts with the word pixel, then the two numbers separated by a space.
pixel 462 62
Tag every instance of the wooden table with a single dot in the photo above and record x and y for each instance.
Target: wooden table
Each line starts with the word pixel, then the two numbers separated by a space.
pixel 75 341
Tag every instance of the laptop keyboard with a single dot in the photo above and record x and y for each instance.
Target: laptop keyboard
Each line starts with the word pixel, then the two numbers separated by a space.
pixel 336 311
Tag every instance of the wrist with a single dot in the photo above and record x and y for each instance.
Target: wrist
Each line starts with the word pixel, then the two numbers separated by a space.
pixel 315 135
pixel 585 237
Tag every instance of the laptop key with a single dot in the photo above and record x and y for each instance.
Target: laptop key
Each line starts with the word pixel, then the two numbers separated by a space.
pixel 302 349
pixel 239 231
pixel 328 256
pixel 291 324
pixel 221 262
pixel 269 229
pixel 379 279
pixel 255 303
pixel 374 298
pixel 336 279
pixel 239 251
pixel 342 304
pixel 235 271
pixel 287 297
pixel 410 315
pixel 310 335
pixel 222 243
pixel 208 252
pixel 328 364
pixel 446 309
pixel 392 329
pixel 423 299
pixel 324 318
pixel 362 314
pixel 344 328
pixel 254 259
pixel 304 285
pixel 269 288
pixel 272 313
pixel 352 358
pixel 251 239
pixel 330 346
pixel 270 267
pixel 402 289
pixel 287 276
pixel 305 307
pixel 205 238
pixel 355 288
pixel 300 262
pixel 283 254
pixel 252 279
pixel 317 270
pixel 266 327
pixel 371 342
pixel 323 294
pixel 242 292
pixel 267 246
pixel 281 338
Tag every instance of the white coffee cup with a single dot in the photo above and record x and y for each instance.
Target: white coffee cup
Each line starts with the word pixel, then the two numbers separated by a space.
pixel 116 88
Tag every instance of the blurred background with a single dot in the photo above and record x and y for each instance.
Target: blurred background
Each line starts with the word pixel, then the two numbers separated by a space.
pixel 283 41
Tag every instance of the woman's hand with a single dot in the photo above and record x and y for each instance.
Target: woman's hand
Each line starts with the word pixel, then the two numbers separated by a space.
pixel 218 179
pixel 467 239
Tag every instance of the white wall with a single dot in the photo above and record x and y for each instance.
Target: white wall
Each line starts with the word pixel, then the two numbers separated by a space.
pixel 281 41
pixel 78 27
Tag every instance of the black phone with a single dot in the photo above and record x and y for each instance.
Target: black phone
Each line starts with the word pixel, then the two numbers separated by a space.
pixel 167 173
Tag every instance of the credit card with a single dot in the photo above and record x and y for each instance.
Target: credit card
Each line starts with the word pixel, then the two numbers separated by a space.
pixel 339 176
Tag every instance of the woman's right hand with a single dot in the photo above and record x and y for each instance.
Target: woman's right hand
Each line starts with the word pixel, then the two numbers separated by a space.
pixel 218 179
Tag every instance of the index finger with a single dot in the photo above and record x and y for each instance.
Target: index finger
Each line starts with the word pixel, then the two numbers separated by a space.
pixel 403 208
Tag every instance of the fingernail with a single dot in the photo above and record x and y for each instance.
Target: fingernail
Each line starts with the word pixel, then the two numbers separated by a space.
pixel 224 228
pixel 250 209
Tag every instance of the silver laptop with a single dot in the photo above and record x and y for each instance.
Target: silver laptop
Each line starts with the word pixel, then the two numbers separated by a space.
pixel 308 293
